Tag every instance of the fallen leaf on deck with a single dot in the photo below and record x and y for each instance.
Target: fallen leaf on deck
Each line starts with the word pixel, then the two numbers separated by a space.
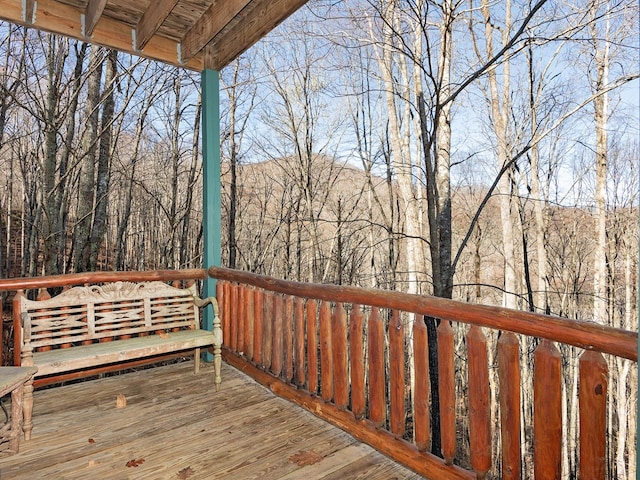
pixel 91 440
pixel 303 458
pixel 185 473
pixel 164 335
pixel 121 401
pixel 135 463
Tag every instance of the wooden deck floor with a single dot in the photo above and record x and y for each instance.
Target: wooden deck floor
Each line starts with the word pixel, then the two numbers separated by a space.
pixel 176 426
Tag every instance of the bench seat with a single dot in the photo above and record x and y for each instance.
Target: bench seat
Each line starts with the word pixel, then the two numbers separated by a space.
pixel 84 356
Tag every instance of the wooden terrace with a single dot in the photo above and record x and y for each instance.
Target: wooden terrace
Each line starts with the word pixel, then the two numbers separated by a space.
pixel 175 422
pixel 357 358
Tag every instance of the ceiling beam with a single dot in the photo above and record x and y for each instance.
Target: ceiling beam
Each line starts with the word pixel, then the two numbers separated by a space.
pixel 150 22
pixel 217 16
pixel 63 19
pixel 92 15
pixel 29 8
pixel 250 28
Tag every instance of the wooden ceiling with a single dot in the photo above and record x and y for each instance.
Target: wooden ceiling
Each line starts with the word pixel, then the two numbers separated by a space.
pixel 195 34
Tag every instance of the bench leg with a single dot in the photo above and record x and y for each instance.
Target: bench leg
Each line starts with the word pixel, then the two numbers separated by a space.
pixel 16 418
pixel 217 349
pixel 217 364
pixel 27 409
pixel 196 360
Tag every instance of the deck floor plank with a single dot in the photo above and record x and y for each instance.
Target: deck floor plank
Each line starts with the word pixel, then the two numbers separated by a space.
pixel 176 422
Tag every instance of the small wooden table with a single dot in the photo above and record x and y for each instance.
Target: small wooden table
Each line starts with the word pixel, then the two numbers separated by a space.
pixel 12 380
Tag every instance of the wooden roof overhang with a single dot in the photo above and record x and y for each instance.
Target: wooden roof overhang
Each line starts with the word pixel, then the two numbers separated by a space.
pixel 178 32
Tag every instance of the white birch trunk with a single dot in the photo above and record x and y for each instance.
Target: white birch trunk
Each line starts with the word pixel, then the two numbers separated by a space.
pixel 601 112
pixel 500 103
pixel 400 147
pixel 539 204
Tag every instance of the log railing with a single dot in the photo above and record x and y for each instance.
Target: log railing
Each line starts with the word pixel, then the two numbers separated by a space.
pixel 41 284
pixel 345 354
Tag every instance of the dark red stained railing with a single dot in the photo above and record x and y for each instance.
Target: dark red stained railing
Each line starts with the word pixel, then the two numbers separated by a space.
pixel 343 353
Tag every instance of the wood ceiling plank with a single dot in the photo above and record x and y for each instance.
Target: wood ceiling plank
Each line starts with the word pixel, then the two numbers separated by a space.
pixel 92 15
pixel 263 17
pixel 214 20
pixel 150 22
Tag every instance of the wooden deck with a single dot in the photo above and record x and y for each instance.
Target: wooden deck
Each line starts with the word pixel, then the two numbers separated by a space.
pixel 176 426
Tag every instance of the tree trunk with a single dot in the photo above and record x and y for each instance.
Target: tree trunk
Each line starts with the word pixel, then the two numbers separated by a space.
pixel 100 219
pixel 86 193
pixel 500 107
pixel 62 193
pixel 55 65
pixel 601 113
pixel 539 204
pixel 193 175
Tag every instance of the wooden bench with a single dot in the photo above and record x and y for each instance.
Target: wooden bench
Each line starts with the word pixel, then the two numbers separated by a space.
pixel 85 330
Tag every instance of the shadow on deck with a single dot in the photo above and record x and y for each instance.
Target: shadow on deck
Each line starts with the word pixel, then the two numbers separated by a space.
pixel 175 426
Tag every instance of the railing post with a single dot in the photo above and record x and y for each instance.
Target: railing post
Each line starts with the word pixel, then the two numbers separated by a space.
pixel 509 378
pixel 249 323
pixel 593 415
pixel 421 425
pixel 226 313
pixel 326 355
pixel 267 335
pixel 312 345
pixel 479 396
pixel 277 344
pixel 258 328
pixel 356 344
pixel 242 319
pixel 235 318
pixel 339 352
pixel 287 339
pixel 396 373
pixel 547 412
pixel 377 401
pixel 17 329
pixel 447 391
pixel 298 342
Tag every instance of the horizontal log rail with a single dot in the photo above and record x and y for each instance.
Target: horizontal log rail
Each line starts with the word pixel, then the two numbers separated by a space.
pixel 67 280
pixel 587 335
pixel 359 359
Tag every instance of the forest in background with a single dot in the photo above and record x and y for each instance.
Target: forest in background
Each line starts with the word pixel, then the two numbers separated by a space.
pixel 482 151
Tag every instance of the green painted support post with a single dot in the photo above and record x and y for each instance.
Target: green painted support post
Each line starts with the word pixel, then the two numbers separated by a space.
pixel 210 84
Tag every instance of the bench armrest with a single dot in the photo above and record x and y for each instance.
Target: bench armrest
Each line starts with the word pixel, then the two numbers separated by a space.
pixel 217 334
pixel 203 302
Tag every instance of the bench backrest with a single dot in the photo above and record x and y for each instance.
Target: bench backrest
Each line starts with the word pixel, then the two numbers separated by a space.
pixel 84 315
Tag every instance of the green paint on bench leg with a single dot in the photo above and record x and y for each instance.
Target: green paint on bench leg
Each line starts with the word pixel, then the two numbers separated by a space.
pixel 211 223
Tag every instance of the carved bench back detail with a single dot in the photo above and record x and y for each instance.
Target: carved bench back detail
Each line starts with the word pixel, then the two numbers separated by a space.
pixel 84 315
